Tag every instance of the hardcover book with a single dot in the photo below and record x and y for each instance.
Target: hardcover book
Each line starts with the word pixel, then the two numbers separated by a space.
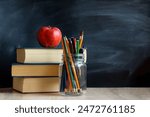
pixel 36 84
pixel 36 70
pixel 37 55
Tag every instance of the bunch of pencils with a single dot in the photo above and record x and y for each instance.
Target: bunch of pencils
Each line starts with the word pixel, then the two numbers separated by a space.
pixel 70 47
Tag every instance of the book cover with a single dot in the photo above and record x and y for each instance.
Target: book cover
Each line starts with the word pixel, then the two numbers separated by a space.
pixel 36 84
pixel 39 55
pixel 36 70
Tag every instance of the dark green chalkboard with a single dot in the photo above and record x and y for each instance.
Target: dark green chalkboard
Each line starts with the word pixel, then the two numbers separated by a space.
pixel 117 36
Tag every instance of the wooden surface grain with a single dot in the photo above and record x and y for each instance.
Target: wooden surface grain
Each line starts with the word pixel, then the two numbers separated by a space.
pixel 91 94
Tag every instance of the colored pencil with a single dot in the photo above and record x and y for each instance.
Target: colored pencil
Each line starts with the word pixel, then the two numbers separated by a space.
pixel 71 46
pixel 74 44
pixel 73 66
pixel 81 39
pixel 69 65
pixel 67 69
pixel 77 47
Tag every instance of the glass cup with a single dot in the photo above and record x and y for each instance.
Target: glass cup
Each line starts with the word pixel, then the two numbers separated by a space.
pixel 74 75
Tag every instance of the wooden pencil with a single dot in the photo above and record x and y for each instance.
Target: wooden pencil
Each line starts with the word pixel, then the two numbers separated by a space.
pixel 67 69
pixel 73 66
pixel 77 47
pixel 74 42
pixel 81 39
pixel 68 63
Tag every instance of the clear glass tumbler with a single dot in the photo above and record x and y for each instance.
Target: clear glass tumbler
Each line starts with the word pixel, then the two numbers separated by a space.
pixel 74 78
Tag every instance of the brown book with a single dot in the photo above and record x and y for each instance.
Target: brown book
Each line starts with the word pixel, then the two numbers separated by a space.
pixel 36 70
pixel 37 55
pixel 36 84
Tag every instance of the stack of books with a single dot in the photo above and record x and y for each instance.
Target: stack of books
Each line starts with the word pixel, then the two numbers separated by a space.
pixel 37 70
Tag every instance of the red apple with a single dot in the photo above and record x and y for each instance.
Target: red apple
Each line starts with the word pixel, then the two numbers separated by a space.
pixel 49 36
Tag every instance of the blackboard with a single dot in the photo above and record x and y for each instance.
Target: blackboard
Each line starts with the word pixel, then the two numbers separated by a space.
pixel 117 36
